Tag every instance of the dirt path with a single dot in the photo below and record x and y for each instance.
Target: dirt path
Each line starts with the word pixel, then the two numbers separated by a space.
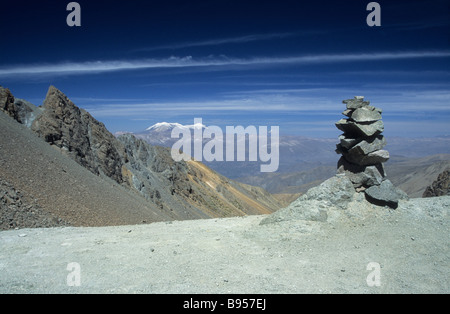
pixel 237 255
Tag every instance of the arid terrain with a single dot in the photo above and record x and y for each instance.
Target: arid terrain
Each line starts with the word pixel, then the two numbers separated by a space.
pixel 238 255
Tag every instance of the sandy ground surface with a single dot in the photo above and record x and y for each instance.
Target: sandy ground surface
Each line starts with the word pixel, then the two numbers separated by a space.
pixel 237 255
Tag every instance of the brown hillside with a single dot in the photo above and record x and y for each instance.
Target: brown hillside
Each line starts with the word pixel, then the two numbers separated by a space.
pixel 64 143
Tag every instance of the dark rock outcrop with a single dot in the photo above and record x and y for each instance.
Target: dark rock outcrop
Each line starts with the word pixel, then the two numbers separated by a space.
pixel 440 187
pixel 79 135
pixel 18 109
pixel 7 103
pixel 26 112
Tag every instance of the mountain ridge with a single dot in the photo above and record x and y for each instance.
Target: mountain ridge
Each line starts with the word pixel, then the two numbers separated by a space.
pixel 174 189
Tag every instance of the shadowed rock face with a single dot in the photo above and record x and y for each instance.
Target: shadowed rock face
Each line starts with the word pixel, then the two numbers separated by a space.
pixel 440 187
pixel 20 110
pixel 7 102
pixel 79 135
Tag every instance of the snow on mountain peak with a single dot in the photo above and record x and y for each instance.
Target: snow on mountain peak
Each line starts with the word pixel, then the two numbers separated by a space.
pixel 196 126
pixel 164 126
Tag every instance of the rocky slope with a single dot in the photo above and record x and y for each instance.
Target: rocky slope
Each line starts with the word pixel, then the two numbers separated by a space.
pixel 18 211
pixel 189 187
pixel 49 180
pixel 440 187
pixel 173 190
pixel 79 135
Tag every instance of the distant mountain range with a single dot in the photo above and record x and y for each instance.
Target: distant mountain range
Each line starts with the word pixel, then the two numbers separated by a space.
pixel 305 162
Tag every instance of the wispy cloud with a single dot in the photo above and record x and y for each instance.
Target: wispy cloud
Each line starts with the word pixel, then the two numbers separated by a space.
pixel 220 41
pixel 319 102
pixel 93 67
pixel 309 110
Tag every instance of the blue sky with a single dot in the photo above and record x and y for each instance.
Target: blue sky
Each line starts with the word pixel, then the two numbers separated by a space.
pixel 287 63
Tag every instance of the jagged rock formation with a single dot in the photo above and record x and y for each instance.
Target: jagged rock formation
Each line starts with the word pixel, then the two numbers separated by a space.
pixel 181 190
pixel 7 103
pixel 361 146
pixel 19 109
pixel 440 187
pixel 79 135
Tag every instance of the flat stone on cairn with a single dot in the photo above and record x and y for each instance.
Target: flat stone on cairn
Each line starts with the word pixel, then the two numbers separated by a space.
pixel 361 146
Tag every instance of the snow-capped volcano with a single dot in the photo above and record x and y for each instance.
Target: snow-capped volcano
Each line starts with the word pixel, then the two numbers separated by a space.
pixel 160 133
pixel 165 126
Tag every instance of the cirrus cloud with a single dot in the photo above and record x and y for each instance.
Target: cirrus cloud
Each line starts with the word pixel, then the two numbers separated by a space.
pixel 95 67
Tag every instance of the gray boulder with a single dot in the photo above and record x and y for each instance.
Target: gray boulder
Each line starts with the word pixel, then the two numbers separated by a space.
pixel 348 142
pixel 334 193
pixel 361 129
pixel 365 114
pixel 376 157
pixel 369 145
pixel 360 146
pixel 368 128
pixel 385 194
pixel 362 175
pixel 355 103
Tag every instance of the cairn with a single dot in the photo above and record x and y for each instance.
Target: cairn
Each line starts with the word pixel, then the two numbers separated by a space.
pixel 361 146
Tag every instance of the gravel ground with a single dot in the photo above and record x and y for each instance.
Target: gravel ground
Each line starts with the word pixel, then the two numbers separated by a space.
pixel 237 255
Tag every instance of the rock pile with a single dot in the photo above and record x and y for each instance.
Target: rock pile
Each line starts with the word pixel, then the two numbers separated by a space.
pixel 361 146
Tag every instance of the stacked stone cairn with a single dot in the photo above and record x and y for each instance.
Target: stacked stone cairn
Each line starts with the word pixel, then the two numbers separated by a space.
pixel 361 146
